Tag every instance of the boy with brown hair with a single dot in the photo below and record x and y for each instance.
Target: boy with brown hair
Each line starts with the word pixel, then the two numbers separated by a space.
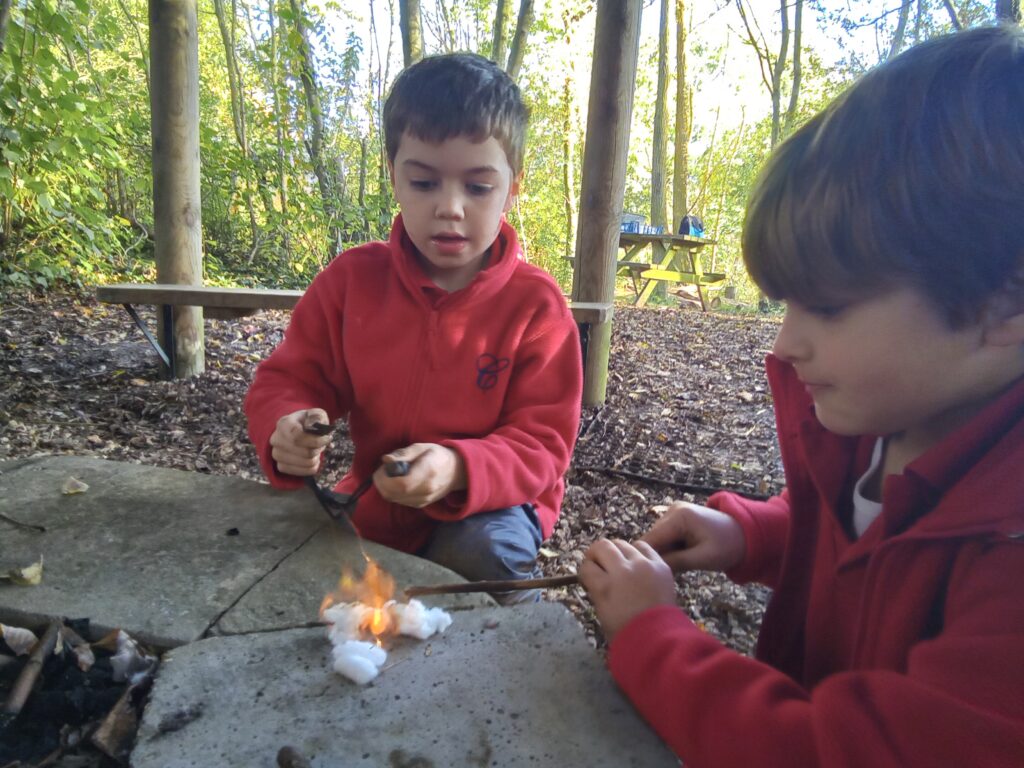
pixel 892 225
pixel 442 347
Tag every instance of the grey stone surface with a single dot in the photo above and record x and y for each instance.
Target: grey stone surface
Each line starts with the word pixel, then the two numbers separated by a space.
pixel 148 550
pixel 290 596
pixel 506 687
pixel 145 549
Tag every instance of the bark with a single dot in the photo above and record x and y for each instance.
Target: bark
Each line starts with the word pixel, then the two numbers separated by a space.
pixel 1006 10
pixel 659 150
pixel 410 21
pixel 177 207
pixel 518 48
pixel 569 168
pixel 901 29
pixel 684 122
pixel 777 70
pixel 498 37
pixel 279 124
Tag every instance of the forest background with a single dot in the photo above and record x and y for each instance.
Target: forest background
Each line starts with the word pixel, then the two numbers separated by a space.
pixel 293 163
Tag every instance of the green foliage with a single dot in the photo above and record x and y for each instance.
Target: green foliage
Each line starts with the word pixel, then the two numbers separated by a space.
pixel 75 155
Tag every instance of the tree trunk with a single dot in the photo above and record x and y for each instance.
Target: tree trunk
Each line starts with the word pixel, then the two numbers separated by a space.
pixel 5 16
pixel 616 44
pixel 279 125
pixel 498 37
pixel 901 29
pixel 1006 10
pixel 518 48
pixel 177 209
pixel 794 93
pixel 411 23
pixel 953 18
pixel 684 123
pixel 777 70
pixel 568 167
pixel 659 150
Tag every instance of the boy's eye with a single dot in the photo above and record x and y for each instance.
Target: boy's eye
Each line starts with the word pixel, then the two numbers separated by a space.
pixel 479 189
pixel 826 311
pixel 421 184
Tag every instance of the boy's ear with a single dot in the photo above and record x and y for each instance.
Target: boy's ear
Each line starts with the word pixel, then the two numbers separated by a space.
pixel 513 190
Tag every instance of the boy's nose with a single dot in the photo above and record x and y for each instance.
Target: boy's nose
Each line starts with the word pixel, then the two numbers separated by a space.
pixel 450 206
pixel 791 344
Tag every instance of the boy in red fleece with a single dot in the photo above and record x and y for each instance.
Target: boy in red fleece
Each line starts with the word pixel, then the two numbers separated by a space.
pixel 892 225
pixel 442 347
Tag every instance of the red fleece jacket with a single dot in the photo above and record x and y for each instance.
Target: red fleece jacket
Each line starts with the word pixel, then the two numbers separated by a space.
pixel 492 371
pixel 902 648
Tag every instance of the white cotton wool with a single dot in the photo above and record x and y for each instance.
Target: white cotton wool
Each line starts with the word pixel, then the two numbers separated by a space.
pixel 416 620
pixel 359 661
pixel 345 620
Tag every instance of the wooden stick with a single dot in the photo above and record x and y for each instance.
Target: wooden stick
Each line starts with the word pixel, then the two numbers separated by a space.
pixel 508 585
pixel 27 679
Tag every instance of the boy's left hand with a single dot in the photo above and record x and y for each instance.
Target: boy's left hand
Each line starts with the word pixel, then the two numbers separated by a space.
pixel 624 580
pixel 434 472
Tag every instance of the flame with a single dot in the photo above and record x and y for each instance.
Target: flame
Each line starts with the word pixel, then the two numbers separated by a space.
pixel 373 590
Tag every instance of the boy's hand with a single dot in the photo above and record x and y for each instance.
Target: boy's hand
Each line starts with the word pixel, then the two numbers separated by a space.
pixel 692 537
pixel 624 580
pixel 434 472
pixel 295 451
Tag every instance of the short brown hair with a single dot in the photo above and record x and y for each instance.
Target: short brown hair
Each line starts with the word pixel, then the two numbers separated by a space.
pixel 913 177
pixel 457 94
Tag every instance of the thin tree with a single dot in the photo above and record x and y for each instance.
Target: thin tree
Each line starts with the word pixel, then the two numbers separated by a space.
pixel 659 150
pixel 684 122
pixel 518 48
pixel 498 35
pixel 771 71
pixel 901 29
pixel 314 108
pixel 794 91
pixel 411 23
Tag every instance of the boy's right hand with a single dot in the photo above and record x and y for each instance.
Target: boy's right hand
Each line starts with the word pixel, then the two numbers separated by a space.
pixel 295 451
pixel 691 537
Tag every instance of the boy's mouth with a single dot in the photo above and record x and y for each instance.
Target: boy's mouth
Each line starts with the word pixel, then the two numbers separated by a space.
pixel 449 242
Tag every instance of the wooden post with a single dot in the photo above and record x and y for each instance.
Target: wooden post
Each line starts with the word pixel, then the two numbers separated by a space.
pixel 613 74
pixel 174 104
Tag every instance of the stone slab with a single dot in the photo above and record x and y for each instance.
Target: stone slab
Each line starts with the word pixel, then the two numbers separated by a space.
pixel 154 551
pixel 145 549
pixel 291 594
pixel 510 687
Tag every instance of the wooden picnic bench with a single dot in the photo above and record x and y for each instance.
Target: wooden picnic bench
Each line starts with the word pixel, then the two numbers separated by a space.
pixel 229 303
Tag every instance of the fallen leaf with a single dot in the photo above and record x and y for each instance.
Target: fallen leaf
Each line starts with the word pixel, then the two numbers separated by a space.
pixel 545 552
pixel 29 576
pixel 72 486
pixel 19 640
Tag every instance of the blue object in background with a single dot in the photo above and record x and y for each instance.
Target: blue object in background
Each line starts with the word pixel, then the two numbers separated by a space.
pixel 692 226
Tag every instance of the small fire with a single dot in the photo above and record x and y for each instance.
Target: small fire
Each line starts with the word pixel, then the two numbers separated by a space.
pixel 374 591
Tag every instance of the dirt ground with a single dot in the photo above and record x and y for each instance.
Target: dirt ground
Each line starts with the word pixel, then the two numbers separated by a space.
pixel 687 413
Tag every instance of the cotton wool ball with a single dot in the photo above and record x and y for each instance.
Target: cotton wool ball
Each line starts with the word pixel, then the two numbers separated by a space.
pixel 416 620
pixel 345 619
pixel 357 660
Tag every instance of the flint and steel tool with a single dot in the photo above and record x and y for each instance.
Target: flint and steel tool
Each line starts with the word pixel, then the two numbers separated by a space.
pixel 341 506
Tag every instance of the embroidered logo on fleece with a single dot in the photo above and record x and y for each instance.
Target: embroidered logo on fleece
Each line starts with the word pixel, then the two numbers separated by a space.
pixel 487 369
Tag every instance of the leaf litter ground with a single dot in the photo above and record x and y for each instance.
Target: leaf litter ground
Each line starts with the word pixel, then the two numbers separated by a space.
pixel 687 412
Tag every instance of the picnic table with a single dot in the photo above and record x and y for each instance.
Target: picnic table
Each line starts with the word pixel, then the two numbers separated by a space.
pixel 651 260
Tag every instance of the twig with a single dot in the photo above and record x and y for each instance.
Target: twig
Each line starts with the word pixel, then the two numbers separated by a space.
pixel 27 679
pixel 19 524
pixel 690 487
pixel 507 585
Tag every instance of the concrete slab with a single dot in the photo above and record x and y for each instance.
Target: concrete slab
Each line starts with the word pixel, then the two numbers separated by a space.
pixel 164 554
pixel 290 596
pixel 510 687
